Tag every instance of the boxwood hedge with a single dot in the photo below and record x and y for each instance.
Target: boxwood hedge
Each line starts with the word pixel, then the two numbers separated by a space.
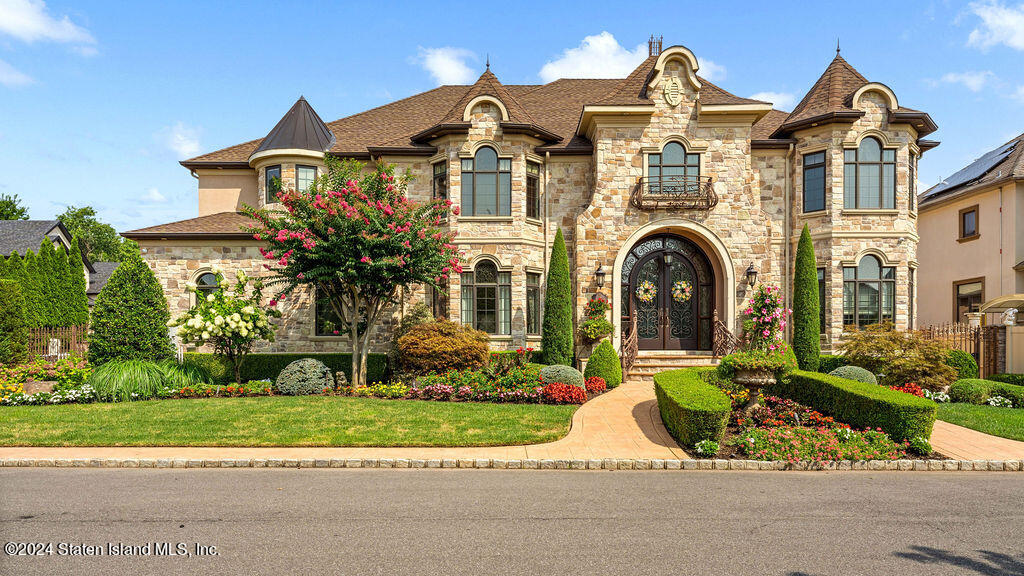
pixel 691 409
pixel 829 362
pixel 901 415
pixel 269 366
pixel 978 391
pixel 1015 379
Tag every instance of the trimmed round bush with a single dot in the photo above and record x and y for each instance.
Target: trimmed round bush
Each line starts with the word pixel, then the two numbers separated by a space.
pixel 124 380
pixel 304 377
pixel 442 346
pixel 963 363
pixel 563 374
pixel 978 391
pixel 855 373
pixel 605 363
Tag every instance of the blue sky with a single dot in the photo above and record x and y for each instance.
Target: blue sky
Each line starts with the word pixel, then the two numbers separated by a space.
pixel 98 101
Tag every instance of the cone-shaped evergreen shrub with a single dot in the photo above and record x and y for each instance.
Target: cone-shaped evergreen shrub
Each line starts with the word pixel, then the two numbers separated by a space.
pixel 129 319
pixel 31 289
pixel 806 308
pixel 13 328
pixel 604 362
pixel 49 274
pixel 75 297
pixel 556 333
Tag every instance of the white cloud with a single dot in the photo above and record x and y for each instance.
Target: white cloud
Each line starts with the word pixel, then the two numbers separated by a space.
pixel 710 70
pixel 9 76
pixel 973 81
pixel 1019 94
pixel 154 196
pixel 447 65
pixel 779 100
pixel 999 25
pixel 28 21
pixel 181 139
pixel 598 56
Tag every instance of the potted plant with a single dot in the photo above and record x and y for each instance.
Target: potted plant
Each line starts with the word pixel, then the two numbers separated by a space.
pixel 766 353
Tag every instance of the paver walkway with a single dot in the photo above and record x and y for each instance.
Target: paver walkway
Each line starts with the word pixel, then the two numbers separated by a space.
pixel 623 423
pixel 966 444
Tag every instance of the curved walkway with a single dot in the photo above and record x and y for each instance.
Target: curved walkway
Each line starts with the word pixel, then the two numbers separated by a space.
pixel 623 423
pixel 966 444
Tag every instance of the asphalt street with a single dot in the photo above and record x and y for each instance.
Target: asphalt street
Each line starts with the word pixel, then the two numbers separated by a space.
pixel 481 522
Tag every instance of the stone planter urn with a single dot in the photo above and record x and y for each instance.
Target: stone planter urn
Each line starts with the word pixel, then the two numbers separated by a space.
pixel 753 379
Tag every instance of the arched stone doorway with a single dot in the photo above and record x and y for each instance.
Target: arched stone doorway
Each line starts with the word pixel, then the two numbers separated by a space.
pixel 667 283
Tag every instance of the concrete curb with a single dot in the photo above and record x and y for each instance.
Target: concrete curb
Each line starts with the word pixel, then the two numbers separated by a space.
pixel 495 464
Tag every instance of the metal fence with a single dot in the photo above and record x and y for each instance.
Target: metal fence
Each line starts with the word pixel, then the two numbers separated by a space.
pixel 58 343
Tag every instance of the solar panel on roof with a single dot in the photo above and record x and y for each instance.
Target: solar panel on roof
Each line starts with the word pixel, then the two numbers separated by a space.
pixel 976 169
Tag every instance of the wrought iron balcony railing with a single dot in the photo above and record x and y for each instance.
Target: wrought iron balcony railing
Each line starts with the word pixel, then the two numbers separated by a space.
pixel 674 193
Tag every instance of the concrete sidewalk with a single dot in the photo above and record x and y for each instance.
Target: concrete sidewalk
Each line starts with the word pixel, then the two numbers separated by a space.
pixel 962 443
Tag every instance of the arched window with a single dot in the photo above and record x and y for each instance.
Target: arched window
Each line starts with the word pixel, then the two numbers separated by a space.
pixel 869 176
pixel 487 299
pixel 869 293
pixel 486 184
pixel 673 170
pixel 206 284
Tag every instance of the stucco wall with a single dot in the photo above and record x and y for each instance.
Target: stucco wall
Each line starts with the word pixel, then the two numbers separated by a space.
pixel 226 190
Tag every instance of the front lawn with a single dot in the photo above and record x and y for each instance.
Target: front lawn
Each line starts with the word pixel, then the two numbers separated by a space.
pixel 284 421
pixel 1003 422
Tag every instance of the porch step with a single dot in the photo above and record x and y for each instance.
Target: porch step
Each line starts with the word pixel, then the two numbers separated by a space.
pixel 651 362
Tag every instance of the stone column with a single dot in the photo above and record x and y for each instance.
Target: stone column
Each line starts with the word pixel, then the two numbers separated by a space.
pixel 973 319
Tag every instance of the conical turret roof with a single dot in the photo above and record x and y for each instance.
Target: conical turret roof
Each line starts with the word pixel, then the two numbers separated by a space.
pixel 300 128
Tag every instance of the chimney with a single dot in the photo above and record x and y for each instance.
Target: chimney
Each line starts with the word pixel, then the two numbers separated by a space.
pixel 654 45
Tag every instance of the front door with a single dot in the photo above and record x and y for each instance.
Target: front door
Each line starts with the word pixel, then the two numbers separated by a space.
pixel 668 285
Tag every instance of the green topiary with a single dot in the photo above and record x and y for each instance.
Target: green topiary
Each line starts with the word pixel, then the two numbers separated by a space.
pixel 442 346
pixel 563 374
pixel 129 319
pixel 855 373
pixel 963 363
pixel 605 363
pixel 305 377
pixel 829 362
pixel 50 273
pixel 556 333
pixel 806 308
pixel 692 409
pixel 13 327
pixel 31 288
pixel 1016 379
pixel 124 380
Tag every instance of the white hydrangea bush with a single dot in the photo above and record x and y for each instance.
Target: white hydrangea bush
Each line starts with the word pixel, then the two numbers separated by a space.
pixel 231 321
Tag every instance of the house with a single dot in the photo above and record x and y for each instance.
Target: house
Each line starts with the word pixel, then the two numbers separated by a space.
pixel 659 179
pixel 972 239
pixel 23 235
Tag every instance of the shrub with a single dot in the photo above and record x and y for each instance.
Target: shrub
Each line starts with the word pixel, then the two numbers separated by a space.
pixel 78 302
pixel 899 357
pixel 778 362
pixel 596 384
pixel 562 374
pixel 124 380
pixel 183 375
pixel 806 308
pixel 963 363
pixel 977 391
pixel 691 409
pixel 1000 402
pixel 269 366
pixel 855 373
pixel 305 377
pixel 129 319
pixel 920 445
pixel 764 320
pixel 556 331
pixel 418 314
pixel 594 329
pixel 13 325
pixel 859 404
pixel 561 393
pixel 706 448
pixel 829 362
pixel 1015 379
pixel 441 346
pixel 605 363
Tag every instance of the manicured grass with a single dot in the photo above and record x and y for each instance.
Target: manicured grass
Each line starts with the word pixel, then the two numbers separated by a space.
pixel 1003 422
pixel 284 421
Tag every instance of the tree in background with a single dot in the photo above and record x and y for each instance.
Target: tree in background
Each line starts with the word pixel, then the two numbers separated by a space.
pixel 75 296
pixel 11 208
pixel 48 273
pixel 101 241
pixel 556 333
pixel 31 287
pixel 806 308
pixel 130 317
pixel 13 327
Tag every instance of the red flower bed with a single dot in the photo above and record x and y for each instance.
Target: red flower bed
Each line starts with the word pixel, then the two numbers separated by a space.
pixel 596 384
pixel 909 388
pixel 559 393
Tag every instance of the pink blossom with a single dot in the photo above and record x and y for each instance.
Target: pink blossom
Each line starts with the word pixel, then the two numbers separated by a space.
pixel 366 260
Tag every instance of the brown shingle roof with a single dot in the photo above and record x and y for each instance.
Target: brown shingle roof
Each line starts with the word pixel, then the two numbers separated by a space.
pixel 832 93
pixel 221 225
pixel 769 123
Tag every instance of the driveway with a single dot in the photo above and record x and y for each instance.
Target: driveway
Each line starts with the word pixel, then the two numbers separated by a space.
pixel 288 521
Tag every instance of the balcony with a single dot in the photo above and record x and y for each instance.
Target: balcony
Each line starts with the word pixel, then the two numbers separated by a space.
pixel 674 193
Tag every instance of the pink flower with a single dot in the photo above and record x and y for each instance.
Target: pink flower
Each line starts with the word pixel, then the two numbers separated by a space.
pixel 300 276
pixel 366 260
pixel 273 303
pixel 456 210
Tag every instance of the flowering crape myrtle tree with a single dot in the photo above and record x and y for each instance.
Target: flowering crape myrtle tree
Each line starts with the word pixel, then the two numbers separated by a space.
pixel 232 322
pixel 765 320
pixel 357 239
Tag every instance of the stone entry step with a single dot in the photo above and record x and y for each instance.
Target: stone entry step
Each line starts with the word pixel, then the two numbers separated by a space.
pixel 651 362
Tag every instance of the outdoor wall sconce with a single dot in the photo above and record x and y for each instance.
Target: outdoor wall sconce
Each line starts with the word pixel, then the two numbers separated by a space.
pixel 751 275
pixel 599 276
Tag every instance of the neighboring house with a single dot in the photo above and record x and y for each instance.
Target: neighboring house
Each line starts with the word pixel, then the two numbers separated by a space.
pixel 98 279
pixel 23 235
pixel 661 177
pixel 972 237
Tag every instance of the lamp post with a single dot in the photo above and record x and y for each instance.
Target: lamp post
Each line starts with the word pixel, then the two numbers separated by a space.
pixel 751 275
pixel 599 276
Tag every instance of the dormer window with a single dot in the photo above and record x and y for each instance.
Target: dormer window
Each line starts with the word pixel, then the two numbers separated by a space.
pixel 869 176
pixel 486 184
pixel 305 177
pixel 272 182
